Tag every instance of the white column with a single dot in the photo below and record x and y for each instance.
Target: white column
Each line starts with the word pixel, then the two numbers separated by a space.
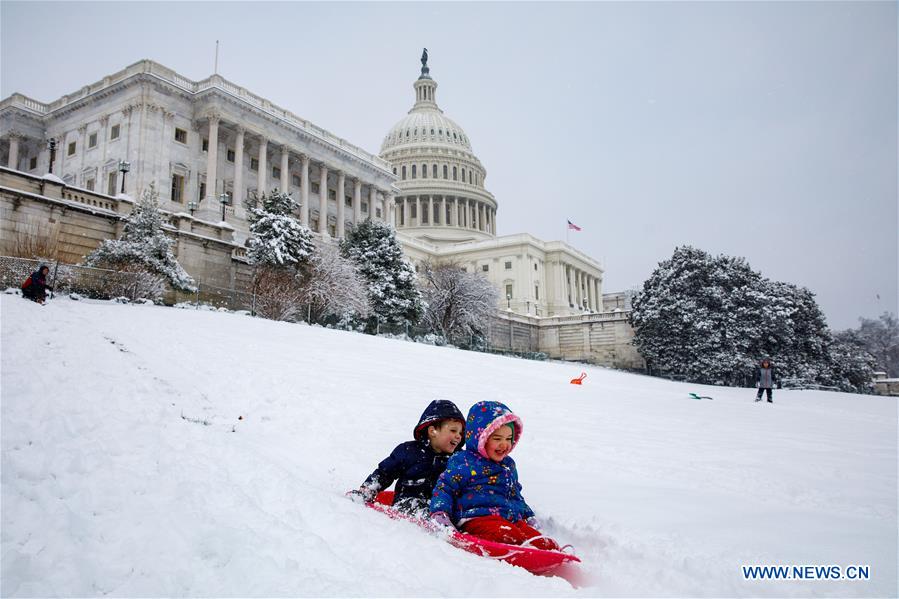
pixel 372 201
pixel 13 151
pixel 212 160
pixel 239 192
pixel 357 202
pixel 406 211
pixel 389 205
pixel 323 201
pixel 262 175
pixel 341 191
pixel 304 190
pixel 454 215
pixel 431 210
pixel 285 169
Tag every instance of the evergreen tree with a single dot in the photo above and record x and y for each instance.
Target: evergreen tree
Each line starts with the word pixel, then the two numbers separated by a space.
pixel 277 239
pixel 143 245
pixel 392 290
pixel 711 319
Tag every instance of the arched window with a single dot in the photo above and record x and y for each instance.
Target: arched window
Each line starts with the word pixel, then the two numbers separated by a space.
pixel 463 175
pixel 444 172
pixel 455 174
pixel 413 171
pixel 404 173
pixel 434 171
pixel 432 130
pixel 424 171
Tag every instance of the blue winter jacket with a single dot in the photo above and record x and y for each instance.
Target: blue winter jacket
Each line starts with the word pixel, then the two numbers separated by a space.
pixel 413 464
pixel 474 485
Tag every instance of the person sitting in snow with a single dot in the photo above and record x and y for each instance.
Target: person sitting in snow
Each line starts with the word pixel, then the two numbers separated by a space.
pixel 765 379
pixel 35 286
pixel 415 465
pixel 479 491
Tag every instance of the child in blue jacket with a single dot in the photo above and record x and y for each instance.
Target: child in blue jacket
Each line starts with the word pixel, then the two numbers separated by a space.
pixel 415 465
pixel 479 490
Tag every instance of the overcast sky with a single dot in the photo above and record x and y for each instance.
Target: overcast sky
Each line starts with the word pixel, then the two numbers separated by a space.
pixel 763 130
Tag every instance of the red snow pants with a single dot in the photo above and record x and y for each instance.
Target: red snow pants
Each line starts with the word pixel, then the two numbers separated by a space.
pixel 495 528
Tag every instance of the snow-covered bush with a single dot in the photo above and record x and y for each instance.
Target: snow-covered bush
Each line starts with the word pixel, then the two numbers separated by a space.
pixel 143 247
pixel 392 291
pixel 332 287
pixel 457 304
pixel 278 294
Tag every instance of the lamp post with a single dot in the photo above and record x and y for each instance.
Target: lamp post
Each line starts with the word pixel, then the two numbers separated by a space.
pixel 225 199
pixel 192 206
pixel 124 167
pixel 52 145
pixel 509 302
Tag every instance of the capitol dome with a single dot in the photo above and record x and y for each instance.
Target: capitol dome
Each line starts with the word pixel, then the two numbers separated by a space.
pixel 442 197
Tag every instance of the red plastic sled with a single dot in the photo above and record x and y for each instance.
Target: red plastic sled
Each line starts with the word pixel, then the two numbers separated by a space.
pixel 536 561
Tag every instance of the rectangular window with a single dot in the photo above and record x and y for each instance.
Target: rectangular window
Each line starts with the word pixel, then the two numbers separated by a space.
pixel 110 183
pixel 177 188
pixel 485 267
pixel 254 164
pixel 378 213
pixel 230 156
pixel 536 292
pixel 90 184
pixel 33 163
pixel 413 210
pixel 181 136
pixel 364 206
pixel 348 201
pixel 92 141
pixel 202 192
pixel 332 194
pixel 71 148
pixel 114 132
pixel 509 291
pixel 205 144
pixel 508 265
pixel 535 266
pixel 276 172
pixel 314 187
pixel 295 180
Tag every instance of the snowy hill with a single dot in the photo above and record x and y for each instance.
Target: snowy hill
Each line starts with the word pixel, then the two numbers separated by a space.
pixel 112 483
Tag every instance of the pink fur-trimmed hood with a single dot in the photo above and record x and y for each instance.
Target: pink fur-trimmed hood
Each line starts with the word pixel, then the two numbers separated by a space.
pixel 484 418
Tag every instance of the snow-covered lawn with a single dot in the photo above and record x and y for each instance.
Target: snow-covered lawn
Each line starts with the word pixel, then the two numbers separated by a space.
pixel 112 484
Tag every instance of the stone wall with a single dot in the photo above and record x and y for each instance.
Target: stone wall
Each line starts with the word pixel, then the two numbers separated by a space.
pixel 76 221
pixel 605 339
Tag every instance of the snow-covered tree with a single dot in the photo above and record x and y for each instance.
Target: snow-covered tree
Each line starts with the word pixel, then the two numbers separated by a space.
pixel 333 286
pixel 851 365
pixel 458 304
pixel 711 319
pixel 277 239
pixel 392 290
pixel 144 246
pixel 881 338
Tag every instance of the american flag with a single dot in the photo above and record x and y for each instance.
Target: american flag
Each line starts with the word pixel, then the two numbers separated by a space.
pixel 571 225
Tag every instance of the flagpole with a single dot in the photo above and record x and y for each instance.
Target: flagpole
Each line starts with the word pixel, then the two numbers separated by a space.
pixel 567 232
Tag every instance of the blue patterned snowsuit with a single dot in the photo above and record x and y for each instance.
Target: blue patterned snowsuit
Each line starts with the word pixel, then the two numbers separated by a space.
pixel 474 485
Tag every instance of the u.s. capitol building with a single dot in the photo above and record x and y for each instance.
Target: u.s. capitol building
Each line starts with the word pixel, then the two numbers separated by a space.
pixel 208 145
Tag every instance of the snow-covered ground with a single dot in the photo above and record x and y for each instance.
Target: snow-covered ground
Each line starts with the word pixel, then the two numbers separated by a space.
pixel 112 485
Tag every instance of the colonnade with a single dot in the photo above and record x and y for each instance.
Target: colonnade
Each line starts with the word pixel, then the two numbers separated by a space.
pixel 377 198
pixel 583 290
pixel 446 211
